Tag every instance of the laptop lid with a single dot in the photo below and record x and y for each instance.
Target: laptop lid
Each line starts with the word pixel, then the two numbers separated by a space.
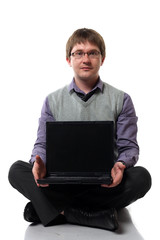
pixel 79 148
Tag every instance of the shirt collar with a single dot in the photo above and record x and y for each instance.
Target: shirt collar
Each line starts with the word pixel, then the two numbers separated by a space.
pixel 74 87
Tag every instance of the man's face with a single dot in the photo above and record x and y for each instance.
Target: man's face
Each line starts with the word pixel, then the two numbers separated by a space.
pixel 85 68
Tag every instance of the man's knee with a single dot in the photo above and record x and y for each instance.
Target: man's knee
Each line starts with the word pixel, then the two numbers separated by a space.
pixel 16 172
pixel 139 179
pixel 145 179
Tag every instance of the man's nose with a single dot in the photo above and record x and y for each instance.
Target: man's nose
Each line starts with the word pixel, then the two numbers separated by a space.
pixel 86 57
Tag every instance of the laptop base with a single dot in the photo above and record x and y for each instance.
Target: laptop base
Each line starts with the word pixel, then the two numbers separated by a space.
pixel 75 180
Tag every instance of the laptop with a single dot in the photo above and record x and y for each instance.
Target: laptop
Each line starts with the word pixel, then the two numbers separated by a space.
pixel 79 152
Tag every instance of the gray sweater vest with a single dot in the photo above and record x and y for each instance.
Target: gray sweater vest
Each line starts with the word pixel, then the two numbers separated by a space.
pixel 101 106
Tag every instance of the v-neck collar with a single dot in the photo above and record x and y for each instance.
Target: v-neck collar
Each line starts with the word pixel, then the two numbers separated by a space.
pixel 77 89
pixel 78 99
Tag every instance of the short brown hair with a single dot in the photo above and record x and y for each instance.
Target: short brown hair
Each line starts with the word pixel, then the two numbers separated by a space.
pixel 82 35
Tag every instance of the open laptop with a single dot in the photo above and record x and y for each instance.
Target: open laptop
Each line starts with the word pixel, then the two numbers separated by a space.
pixel 79 152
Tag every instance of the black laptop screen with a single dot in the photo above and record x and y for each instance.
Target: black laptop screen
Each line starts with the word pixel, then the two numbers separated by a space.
pixel 79 146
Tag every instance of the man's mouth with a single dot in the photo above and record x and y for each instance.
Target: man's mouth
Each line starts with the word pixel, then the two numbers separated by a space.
pixel 86 68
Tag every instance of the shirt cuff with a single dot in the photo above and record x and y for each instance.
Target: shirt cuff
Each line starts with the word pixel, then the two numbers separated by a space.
pixel 128 160
pixel 33 158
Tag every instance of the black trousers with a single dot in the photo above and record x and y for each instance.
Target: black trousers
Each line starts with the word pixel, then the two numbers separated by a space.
pixel 50 201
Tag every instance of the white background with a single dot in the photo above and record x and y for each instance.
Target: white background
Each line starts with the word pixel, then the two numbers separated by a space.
pixel 33 35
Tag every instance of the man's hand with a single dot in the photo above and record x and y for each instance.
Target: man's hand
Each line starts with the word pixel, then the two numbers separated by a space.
pixel 39 171
pixel 117 175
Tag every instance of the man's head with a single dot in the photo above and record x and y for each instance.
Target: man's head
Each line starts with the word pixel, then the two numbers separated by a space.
pixel 85 53
pixel 85 35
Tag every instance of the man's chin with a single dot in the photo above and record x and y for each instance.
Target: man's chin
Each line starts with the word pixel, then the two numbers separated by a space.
pixel 87 77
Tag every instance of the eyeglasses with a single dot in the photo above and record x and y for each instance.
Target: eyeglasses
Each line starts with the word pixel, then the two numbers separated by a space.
pixel 91 54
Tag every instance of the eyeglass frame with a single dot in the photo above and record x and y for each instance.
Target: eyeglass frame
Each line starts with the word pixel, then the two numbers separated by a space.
pixel 83 54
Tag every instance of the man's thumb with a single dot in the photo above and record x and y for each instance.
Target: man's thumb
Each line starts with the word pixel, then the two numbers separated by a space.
pixel 38 159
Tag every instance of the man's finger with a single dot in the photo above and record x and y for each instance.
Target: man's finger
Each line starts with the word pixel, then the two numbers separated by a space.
pixel 104 185
pixel 43 185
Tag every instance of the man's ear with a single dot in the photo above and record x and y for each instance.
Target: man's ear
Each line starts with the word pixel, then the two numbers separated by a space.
pixel 69 61
pixel 102 61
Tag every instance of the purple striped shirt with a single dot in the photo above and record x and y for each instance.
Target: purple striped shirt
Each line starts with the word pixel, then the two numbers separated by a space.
pixel 126 129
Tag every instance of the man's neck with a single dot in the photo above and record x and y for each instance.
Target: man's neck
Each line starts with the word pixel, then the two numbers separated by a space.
pixel 86 85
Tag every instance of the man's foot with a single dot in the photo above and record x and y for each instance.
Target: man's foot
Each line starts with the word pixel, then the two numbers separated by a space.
pixel 30 214
pixel 105 219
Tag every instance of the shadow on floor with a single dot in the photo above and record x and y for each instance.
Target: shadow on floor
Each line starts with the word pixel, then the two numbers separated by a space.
pixel 126 231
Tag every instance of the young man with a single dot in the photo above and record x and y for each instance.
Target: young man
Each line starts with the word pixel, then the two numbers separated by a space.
pixel 87 98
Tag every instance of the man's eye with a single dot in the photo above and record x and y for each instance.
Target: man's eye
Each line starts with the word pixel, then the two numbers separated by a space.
pixel 79 53
pixel 93 53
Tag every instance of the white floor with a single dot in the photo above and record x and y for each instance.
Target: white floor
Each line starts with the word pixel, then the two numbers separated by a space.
pixel 138 221
pixel 126 231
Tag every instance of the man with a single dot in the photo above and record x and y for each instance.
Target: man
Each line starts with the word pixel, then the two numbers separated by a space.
pixel 87 98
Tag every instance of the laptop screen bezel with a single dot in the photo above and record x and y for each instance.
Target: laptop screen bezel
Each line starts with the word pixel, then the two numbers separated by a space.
pixel 109 124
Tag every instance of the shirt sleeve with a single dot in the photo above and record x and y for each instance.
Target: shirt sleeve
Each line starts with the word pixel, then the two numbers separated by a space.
pixel 127 145
pixel 40 144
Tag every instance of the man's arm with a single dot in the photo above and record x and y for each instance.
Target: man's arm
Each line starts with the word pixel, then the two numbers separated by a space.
pixel 126 141
pixel 127 145
pixel 38 158
pixel 40 144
